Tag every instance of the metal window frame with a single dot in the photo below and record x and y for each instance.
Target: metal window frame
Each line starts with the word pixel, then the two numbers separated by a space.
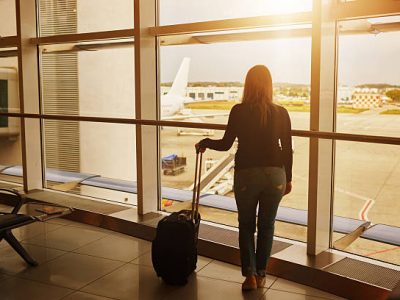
pixel 344 11
pixel 84 37
pixel 232 24
pixel 160 123
pixel 29 85
pixel 8 41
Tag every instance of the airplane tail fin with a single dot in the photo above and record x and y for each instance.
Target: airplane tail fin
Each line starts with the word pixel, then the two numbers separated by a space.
pixel 181 79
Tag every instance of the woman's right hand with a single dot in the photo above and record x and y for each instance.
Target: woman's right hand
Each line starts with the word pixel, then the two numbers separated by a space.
pixel 199 149
pixel 288 188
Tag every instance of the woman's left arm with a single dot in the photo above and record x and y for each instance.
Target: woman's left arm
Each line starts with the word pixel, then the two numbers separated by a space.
pixel 227 140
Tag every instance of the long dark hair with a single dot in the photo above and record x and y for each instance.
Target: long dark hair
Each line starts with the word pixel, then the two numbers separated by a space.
pixel 258 90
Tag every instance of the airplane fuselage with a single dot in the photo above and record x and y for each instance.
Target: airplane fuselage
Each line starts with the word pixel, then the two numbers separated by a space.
pixel 171 105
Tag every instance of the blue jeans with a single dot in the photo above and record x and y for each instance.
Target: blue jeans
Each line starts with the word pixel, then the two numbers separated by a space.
pixel 262 186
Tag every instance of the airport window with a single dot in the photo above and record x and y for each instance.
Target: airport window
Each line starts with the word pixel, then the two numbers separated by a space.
pixel 82 16
pixel 96 78
pixel 367 74
pixel 7 18
pixel 366 190
pixel 175 11
pixel 9 99
pixel 292 85
pixel 10 152
pixel 91 159
pixel 97 82
pixel 296 203
pixel 10 129
pixel 289 60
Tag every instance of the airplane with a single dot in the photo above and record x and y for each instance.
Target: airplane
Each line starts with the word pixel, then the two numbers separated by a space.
pixel 173 103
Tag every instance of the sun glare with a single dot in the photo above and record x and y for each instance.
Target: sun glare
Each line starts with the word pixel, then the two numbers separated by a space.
pixel 283 6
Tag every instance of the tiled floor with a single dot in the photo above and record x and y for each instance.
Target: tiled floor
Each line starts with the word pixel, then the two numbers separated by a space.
pixel 77 261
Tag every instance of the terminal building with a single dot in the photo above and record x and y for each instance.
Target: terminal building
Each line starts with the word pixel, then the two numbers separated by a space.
pixel 82 130
pixel 211 93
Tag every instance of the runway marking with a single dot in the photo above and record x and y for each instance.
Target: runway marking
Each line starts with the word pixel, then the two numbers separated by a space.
pixel 382 251
pixel 363 213
pixel 365 210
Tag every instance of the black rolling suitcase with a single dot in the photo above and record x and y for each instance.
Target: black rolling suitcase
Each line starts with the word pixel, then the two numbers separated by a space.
pixel 174 249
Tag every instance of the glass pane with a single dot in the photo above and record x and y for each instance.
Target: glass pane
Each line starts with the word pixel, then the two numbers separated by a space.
pixel 214 73
pixel 8 25
pixel 80 16
pixel 9 89
pixel 92 159
pixel 89 79
pixel 366 189
pixel 10 150
pixel 293 207
pixel 369 81
pixel 217 201
pixel 175 11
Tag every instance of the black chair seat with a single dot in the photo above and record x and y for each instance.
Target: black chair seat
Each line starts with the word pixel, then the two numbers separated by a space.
pixel 11 220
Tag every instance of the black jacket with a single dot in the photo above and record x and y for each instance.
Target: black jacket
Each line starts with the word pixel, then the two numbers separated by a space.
pixel 269 145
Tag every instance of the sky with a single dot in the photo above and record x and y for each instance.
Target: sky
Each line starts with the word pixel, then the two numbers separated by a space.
pixel 363 59
pixel 366 58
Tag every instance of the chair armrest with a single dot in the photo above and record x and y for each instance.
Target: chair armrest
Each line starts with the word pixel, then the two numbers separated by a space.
pixel 20 200
pixel 16 198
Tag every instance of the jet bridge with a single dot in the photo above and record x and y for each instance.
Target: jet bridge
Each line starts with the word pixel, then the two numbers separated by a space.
pixel 214 174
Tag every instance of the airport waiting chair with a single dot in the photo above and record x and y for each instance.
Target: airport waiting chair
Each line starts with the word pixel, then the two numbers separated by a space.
pixel 12 220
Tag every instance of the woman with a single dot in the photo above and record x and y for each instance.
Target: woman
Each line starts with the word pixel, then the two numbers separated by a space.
pixel 263 169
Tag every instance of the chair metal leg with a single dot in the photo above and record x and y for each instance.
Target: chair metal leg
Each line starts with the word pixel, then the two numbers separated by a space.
pixel 10 238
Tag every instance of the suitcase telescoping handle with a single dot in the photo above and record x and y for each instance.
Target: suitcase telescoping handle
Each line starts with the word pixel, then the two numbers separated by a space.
pixel 196 186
